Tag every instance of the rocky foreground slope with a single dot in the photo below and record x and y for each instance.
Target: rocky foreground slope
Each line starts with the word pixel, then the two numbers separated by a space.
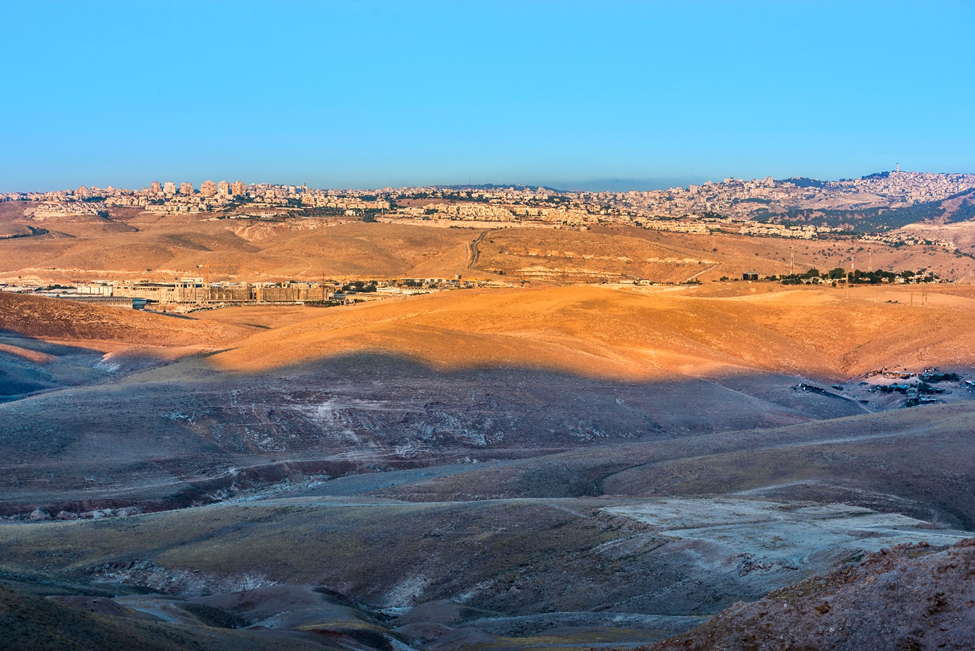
pixel 908 597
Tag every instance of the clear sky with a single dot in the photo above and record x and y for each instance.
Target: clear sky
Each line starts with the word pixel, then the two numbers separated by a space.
pixel 567 94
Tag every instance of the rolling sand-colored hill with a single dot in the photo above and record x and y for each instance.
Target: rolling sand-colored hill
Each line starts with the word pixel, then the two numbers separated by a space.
pixel 47 344
pixel 573 256
pixel 770 255
pixel 165 247
pixel 62 320
pixel 130 245
pixel 640 333
pixel 962 234
pixel 625 253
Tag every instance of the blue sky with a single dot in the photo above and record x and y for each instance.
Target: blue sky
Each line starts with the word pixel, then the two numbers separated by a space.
pixel 568 94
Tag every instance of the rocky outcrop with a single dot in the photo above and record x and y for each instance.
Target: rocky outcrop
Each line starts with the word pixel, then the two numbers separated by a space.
pixel 908 597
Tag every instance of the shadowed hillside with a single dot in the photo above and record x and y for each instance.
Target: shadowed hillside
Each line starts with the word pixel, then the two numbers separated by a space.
pixel 634 561
pixel 31 622
pixel 906 461
pixel 48 344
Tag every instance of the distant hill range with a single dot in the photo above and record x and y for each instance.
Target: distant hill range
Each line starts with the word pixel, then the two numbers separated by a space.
pixel 499 186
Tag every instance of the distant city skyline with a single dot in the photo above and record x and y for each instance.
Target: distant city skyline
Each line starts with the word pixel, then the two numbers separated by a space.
pixel 571 95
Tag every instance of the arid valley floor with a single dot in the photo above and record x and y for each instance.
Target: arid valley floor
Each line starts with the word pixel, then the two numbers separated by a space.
pixel 552 464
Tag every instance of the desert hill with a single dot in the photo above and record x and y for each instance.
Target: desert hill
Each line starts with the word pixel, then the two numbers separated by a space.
pixel 638 333
pixel 771 255
pixel 47 344
pixel 134 245
pixel 434 379
pixel 170 246
pixel 904 461
pixel 62 320
pixel 961 234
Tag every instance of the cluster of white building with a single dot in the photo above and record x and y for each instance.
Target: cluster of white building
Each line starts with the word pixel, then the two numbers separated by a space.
pixel 731 199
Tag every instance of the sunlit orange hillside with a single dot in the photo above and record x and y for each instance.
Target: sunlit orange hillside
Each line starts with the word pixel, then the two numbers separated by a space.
pixel 638 333
pixel 53 319
pixel 162 247
pixel 131 244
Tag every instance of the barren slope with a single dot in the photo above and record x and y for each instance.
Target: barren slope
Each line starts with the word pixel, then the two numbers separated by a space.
pixel 905 461
pixel 775 255
pixel 611 502
pixel 31 622
pixel 910 597
pixel 47 344
pixel 166 246
pixel 690 537
pixel 55 319
pixel 639 333
pixel 162 246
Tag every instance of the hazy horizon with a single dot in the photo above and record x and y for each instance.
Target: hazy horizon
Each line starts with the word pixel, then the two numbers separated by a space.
pixel 588 185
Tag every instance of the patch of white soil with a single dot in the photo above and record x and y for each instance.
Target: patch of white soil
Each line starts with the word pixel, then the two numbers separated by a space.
pixel 769 536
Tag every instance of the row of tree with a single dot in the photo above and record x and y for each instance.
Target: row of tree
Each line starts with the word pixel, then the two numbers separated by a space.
pixel 857 276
